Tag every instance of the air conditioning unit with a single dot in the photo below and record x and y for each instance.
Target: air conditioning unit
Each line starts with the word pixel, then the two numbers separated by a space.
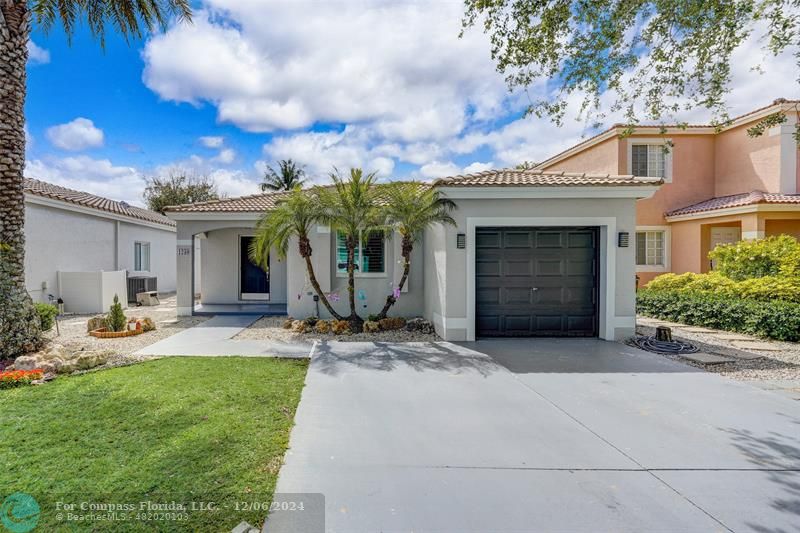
pixel 137 284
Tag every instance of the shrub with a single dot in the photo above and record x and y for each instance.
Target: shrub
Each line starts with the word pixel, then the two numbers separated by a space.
pixel 388 324
pixel 47 315
pixel 371 326
pixel 310 321
pixel 15 378
pixel 340 327
pixel 767 288
pixel 322 326
pixel 116 317
pixel 774 319
pixel 773 256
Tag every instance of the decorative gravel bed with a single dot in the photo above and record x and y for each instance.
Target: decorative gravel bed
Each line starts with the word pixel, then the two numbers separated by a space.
pixel 74 337
pixel 271 328
pixel 783 364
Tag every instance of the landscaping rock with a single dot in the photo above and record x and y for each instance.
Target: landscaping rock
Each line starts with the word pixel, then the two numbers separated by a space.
pixel 757 345
pixel 96 322
pixel 340 327
pixel 420 324
pixel 371 327
pixel 299 326
pixel 52 366
pixel 322 326
pixel 389 324
pixel 25 362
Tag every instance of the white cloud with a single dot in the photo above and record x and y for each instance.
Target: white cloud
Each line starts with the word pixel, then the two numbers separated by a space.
pixel 79 134
pixel 37 55
pixel 212 141
pixel 478 167
pixel 96 176
pixel 225 156
pixel 232 182
pixel 322 151
pixel 439 170
pixel 396 66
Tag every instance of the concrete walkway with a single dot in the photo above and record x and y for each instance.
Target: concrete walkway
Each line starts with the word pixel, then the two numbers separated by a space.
pixel 214 337
pixel 536 435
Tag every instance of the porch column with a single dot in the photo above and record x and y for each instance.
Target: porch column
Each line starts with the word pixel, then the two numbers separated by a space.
pixel 753 226
pixel 185 275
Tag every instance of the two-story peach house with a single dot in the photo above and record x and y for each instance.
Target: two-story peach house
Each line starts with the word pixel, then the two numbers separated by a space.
pixel 721 185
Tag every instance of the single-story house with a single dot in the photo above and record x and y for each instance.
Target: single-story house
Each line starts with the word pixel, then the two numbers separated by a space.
pixel 84 248
pixel 533 253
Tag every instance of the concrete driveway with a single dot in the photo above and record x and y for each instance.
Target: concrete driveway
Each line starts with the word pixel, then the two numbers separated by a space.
pixel 537 435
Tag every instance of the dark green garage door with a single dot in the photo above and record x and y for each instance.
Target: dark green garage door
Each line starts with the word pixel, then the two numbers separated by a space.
pixel 536 282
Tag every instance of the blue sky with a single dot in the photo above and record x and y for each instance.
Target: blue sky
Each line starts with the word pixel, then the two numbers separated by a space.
pixel 384 85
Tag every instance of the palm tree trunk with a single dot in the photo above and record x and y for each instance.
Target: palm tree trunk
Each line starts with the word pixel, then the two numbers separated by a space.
pixel 354 319
pixel 305 251
pixel 407 248
pixel 20 329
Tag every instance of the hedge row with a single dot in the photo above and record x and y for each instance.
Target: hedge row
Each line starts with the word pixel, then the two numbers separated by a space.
pixel 776 320
pixel 767 288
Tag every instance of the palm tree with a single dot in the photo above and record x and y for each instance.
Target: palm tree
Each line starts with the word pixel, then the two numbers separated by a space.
pixel 351 207
pixel 288 176
pixel 412 207
pixel 19 328
pixel 293 216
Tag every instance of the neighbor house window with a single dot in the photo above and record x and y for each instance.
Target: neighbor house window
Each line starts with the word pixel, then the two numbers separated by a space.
pixel 141 256
pixel 369 254
pixel 648 160
pixel 650 248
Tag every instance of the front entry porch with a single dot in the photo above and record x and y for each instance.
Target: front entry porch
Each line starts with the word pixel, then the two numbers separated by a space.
pixel 261 309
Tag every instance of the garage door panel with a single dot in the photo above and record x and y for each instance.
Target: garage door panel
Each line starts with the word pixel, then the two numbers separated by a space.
pixel 516 296
pixel 517 239
pixel 536 281
pixel 488 239
pixel 583 239
pixel 549 267
pixel 488 268
pixel 549 239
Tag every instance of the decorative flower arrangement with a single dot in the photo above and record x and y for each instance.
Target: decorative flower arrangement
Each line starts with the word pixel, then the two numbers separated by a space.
pixel 15 378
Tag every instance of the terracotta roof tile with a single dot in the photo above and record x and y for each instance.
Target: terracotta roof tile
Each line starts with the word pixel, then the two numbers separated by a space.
pixel 736 200
pixel 56 192
pixel 254 203
pixel 541 178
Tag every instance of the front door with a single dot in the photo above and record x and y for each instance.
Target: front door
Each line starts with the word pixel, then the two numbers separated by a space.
pixel 724 235
pixel 253 281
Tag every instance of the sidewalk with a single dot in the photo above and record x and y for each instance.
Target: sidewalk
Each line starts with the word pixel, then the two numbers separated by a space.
pixel 214 337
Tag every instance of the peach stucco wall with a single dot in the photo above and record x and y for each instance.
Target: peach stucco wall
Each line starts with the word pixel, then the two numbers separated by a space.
pixel 783 227
pixel 744 164
pixel 602 158
pixel 692 178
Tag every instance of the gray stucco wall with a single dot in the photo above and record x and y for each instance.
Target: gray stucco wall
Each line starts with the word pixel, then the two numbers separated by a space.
pixel 375 288
pixel 219 280
pixel 62 240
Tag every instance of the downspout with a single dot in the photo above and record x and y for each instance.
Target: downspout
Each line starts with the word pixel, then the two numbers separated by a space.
pixel 116 245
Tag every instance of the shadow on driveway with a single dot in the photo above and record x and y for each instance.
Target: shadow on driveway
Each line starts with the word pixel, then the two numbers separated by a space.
pixel 584 356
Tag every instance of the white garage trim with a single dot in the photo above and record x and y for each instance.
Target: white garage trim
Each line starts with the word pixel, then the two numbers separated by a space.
pixel 608 262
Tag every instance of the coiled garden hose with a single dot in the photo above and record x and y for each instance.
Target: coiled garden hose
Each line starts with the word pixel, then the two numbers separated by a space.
pixel 651 344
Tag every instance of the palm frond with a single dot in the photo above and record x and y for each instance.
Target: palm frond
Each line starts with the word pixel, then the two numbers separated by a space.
pixel 130 18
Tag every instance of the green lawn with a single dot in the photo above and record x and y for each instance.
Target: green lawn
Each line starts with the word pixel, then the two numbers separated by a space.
pixel 177 429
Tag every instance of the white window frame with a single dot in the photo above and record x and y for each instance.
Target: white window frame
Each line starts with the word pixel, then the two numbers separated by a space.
pixel 653 141
pixel 358 272
pixel 140 245
pixel 666 267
